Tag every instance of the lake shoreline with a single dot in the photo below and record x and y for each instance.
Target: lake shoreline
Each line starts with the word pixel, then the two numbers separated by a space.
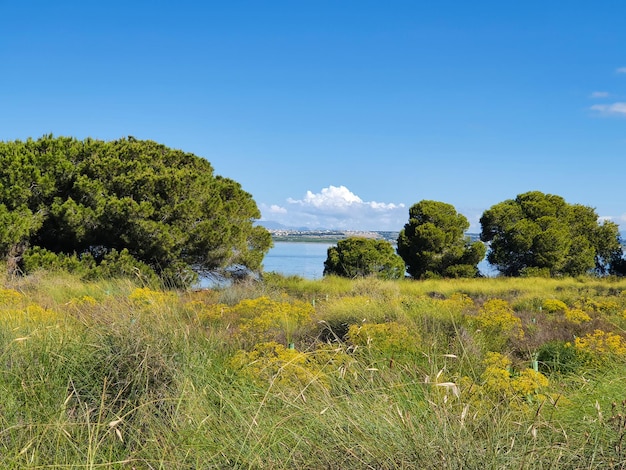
pixel 306 258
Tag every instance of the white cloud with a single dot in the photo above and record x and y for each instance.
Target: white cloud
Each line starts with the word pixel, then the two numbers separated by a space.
pixel 275 209
pixel 620 219
pixel 381 206
pixel 336 207
pixel 331 198
pixel 621 70
pixel 599 94
pixel 615 109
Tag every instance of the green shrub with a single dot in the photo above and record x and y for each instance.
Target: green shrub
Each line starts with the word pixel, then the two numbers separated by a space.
pixel 532 271
pixel 115 264
pixel 336 316
pixel 559 357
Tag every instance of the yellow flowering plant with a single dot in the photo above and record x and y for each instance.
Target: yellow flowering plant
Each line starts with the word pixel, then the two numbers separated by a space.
pixel 10 298
pixel 499 381
pixel 145 298
pixel 576 316
pixel 265 319
pixel 498 323
pixel 554 305
pixel 601 345
pixel 286 370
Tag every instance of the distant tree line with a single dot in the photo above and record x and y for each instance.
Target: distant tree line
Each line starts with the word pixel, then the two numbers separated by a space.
pixel 535 234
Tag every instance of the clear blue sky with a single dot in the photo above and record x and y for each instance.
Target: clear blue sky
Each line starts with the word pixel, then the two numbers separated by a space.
pixel 339 113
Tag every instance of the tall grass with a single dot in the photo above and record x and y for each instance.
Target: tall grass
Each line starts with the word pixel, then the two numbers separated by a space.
pixel 385 375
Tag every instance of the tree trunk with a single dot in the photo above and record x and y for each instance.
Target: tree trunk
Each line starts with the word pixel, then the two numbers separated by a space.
pixel 15 259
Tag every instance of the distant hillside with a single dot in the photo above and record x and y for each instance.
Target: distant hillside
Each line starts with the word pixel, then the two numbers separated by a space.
pixel 272 225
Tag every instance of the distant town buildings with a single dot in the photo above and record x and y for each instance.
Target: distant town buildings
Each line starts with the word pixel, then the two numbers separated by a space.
pixel 329 235
pixel 332 236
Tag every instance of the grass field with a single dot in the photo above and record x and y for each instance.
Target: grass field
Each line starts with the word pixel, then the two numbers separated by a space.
pixel 293 373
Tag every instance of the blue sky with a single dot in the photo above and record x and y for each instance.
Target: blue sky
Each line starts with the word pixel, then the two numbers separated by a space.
pixel 343 113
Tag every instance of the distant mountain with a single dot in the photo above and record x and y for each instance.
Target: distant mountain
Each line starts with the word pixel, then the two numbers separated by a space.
pixel 272 225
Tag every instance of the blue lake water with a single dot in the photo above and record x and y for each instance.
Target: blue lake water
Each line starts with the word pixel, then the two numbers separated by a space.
pixel 306 259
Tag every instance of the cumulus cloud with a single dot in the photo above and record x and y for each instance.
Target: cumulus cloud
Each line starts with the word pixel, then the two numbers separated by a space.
pixel 275 209
pixel 621 70
pixel 620 219
pixel 599 94
pixel 332 198
pixel 336 207
pixel 614 109
pixel 339 199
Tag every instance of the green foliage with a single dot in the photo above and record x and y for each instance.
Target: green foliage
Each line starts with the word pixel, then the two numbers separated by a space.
pixel 113 264
pixel 336 316
pixel 560 357
pixel 538 234
pixel 433 244
pixel 360 257
pixel 107 202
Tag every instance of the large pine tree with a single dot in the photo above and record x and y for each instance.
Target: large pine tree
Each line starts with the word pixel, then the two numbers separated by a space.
pixel 163 208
